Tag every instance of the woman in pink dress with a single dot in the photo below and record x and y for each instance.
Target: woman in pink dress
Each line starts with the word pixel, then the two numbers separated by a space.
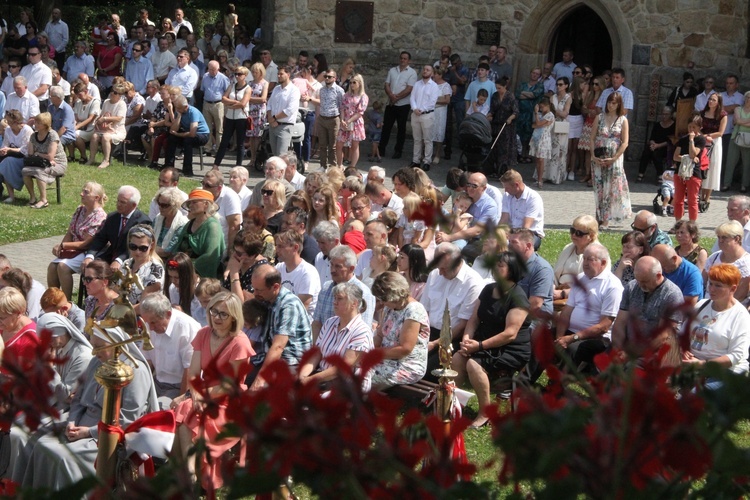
pixel 222 344
pixel 352 128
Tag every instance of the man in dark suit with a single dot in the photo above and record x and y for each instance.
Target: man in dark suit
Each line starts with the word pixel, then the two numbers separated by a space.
pixel 110 242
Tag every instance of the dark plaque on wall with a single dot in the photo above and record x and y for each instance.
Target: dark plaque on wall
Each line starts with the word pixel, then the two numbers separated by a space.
pixel 641 55
pixel 488 32
pixel 354 22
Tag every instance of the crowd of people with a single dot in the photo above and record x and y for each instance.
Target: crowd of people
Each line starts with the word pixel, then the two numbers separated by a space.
pixel 240 277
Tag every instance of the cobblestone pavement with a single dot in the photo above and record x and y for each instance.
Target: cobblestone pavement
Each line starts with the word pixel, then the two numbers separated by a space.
pixel 561 203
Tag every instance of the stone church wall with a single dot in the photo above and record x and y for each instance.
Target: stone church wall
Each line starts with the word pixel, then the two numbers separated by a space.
pixel 703 36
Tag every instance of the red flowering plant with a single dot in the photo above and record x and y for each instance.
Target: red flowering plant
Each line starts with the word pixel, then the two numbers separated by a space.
pixel 637 430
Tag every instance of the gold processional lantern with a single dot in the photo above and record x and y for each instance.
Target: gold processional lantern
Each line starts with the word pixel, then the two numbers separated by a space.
pixel 446 374
pixel 114 375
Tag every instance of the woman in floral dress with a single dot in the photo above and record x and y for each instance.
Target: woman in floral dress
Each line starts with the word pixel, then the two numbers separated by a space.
pixel 352 128
pixel 258 99
pixel 611 193
pixel 403 333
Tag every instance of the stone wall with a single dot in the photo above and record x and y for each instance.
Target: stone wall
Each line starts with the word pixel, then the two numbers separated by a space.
pixel 707 36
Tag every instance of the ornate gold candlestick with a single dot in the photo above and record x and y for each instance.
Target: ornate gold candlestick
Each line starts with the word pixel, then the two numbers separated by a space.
pixel 445 374
pixel 114 374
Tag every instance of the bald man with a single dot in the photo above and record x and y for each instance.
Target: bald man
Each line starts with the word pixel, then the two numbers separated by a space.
pixel 679 271
pixel 649 303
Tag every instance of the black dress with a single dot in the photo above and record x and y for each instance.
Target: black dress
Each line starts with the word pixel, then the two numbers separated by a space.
pixel 491 314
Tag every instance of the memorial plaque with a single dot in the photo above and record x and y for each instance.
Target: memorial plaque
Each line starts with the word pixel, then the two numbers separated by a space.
pixel 488 32
pixel 354 22
pixel 641 55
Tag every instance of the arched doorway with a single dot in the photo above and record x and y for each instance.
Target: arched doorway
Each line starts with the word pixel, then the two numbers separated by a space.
pixel 583 31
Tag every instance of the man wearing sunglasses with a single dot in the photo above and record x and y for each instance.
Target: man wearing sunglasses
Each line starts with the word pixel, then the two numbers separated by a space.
pixel 281 115
pixel 329 107
pixel 522 206
pixel 38 77
pixel 139 70
pixel 183 76
pixel 646 223
pixel 14 70
pixel 110 242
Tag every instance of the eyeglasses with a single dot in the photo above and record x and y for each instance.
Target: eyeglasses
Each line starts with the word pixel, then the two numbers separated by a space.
pixel 357 209
pixel 180 57
pixel 89 279
pixel 34 53
pixel 577 73
pixel 266 192
pixel 164 205
pixel 218 314
pixel 239 74
pixel 141 248
pixel 137 50
pixel 472 185
pixel 578 232
pixel 328 77
pixel 207 185
pixel 13 66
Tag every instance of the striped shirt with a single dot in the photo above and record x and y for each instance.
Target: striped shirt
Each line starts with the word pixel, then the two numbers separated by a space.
pixel 355 336
pixel 287 316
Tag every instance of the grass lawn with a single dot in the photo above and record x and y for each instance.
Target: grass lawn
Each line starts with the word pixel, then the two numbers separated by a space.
pixel 21 223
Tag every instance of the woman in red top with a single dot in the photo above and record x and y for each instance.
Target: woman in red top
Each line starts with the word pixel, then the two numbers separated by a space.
pixel 18 330
pixel 109 61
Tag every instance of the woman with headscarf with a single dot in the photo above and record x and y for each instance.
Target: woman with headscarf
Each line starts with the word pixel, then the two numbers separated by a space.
pixel 54 464
pixel 73 348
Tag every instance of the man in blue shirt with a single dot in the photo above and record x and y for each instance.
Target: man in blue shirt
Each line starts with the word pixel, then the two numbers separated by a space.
pixel 189 131
pixel 679 271
pixel 213 86
pixel 79 62
pixel 139 70
pixel 63 118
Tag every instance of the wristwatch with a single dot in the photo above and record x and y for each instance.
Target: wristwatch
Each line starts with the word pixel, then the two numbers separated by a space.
pixel 576 337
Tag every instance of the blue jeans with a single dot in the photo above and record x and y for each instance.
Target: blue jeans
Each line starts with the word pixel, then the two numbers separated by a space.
pixel 303 149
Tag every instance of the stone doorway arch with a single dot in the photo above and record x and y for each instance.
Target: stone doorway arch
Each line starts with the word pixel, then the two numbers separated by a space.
pixel 540 30
pixel 583 31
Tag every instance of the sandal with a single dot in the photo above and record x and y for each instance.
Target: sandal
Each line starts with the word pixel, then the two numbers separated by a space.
pixel 40 204
pixel 585 179
pixel 640 178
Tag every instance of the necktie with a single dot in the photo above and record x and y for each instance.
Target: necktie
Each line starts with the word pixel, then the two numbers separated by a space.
pixel 122 226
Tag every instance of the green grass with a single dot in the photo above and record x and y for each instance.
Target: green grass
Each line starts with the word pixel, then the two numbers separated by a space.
pixel 21 223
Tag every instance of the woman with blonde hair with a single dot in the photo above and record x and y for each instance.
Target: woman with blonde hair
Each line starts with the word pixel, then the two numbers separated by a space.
pixel 729 236
pixel 45 143
pixel 86 221
pixel 274 198
pixel 325 207
pixel 583 231
pixel 352 128
pixel 257 109
pixel 236 108
pixel 110 126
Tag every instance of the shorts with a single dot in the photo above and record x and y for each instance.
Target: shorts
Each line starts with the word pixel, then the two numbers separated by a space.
pixel 374 136
pixel 666 191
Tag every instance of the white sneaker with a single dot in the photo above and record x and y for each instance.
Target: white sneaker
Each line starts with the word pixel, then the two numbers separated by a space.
pixel 571 176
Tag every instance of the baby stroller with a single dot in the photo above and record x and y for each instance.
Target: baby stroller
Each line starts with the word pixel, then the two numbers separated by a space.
pixel 475 140
pixel 264 151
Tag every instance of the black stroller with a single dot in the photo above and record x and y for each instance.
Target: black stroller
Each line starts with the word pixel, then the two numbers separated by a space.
pixel 475 140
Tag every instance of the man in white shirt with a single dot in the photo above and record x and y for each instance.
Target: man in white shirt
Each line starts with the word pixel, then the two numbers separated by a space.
pixel 244 48
pixel 584 328
pixel 272 70
pixel 422 100
pixel 708 88
pixel 59 81
pixel 455 281
pixel 163 61
pixel 375 234
pixel 328 235
pixel 230 207
pixel 91 88
pixel 79 62
pixel 38 77
pixel 57 31
pixel 618 85
pixel 382 197
pixel 172 332
pixel 522 206
pixel 730 99
pixel 183 76
pixel 398 86
pixel 14 70
pixel 23 100
pixel 298 276
pixel 179 21
pixel 291 174
pixel 143 19
pixel 283 106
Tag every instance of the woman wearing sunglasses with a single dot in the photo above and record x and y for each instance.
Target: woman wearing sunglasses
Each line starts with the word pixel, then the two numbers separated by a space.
pixel 169 222
pixel 100 295
pixel 144 262
pixel 236 109
pixel 274 199
pixel 583 232
pixel 223 344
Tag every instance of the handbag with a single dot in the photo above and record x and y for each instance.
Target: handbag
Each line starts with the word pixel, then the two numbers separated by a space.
pixel 561 127
pixel 68 253
pixel 36 161
pixel 742 139
pixel 685 170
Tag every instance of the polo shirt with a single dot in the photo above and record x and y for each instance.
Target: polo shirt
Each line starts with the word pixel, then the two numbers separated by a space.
pixel 688 278
pixel 649 309
pixel 461 293
pixel 173 350
pixel 75 65
pixel 193 115
pixel 310 249
pixel 213 87
pixel 626 93
pixel 539 281
pixel 529 204
pixel 592 298
pixel 398 80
